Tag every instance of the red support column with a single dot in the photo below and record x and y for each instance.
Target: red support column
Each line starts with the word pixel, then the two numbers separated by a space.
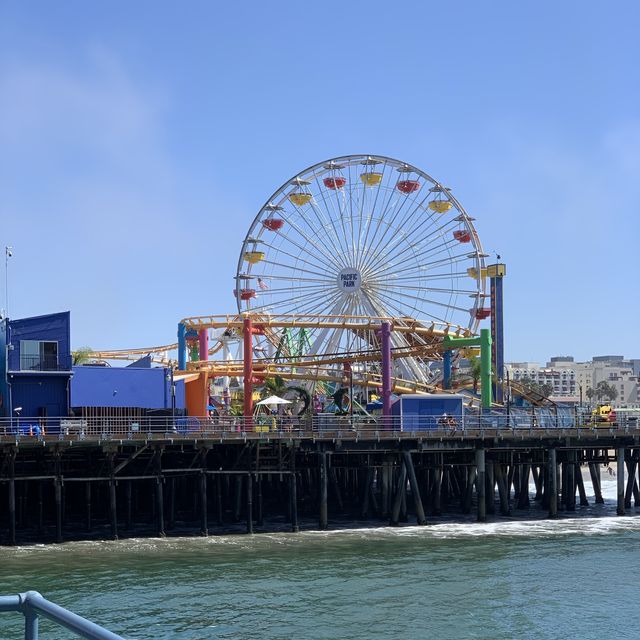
pixel 247 354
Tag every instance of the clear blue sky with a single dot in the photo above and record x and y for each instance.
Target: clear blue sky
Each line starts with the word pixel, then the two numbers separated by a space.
pixel 139 139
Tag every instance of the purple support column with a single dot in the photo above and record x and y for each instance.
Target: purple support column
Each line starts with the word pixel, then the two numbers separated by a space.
pixel 203 338
pixel 385 335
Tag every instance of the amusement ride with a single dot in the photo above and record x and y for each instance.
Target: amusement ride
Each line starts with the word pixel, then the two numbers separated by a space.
pixel 338 252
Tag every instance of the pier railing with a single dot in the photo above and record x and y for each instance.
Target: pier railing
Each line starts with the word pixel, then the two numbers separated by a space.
pixel 317 426
pixel 32 605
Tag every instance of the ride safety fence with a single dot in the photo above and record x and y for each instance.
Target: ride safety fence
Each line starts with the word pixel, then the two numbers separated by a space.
pixel 318 425
pixel 33 606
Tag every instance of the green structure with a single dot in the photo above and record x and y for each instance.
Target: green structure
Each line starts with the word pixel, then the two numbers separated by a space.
pixel 484 342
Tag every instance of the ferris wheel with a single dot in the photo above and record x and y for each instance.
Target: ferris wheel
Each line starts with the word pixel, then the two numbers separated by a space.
pixel 363 236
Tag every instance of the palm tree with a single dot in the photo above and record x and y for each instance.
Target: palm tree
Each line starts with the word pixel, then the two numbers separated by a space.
pixel 81 355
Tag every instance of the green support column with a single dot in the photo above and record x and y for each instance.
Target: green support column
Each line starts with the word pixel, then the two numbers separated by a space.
pixel 484 342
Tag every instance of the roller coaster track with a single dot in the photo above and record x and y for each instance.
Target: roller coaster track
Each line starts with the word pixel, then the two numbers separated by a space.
pixel 415 333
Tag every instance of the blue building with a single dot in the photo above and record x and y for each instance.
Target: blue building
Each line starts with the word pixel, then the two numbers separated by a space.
pixel 419 412
pixel 35 355
pixel 136 390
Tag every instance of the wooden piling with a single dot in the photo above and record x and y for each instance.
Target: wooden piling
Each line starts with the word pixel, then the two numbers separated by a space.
pixel 250 503
pixel 113 513
pixel 384 499
pixel 480 485
pixel 87 501
pixel 172 481
pixel 437 491
pixel 620 480
pixel 491 488
pixel 415 489
pixel 523 492
pixel 631 481
pixel 570 500
pixel 12 511
pixel 129 505
pixel 401 488
pixel 159 478
pixel 40 509
pixel 219 481
pixel 237 512
pixel 204 524
pixel 503 495
pixel 58 501
pixel 594 472
pixel 552 482
pixel 467 501
pixel 584 502
pixel 324 513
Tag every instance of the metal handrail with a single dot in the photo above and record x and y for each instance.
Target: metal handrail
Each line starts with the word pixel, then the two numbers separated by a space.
pixel 32 605
pixel 317 426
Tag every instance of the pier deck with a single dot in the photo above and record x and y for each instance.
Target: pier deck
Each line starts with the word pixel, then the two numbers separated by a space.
pixel 109 480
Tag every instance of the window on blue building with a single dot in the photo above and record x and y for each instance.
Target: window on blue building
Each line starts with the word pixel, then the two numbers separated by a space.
pixel 38 355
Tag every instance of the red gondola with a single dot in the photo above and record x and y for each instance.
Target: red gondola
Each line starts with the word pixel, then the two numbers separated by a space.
pixel 408 186
pixel 273 224
pixel 482 314
pixel 462 236
pixel 335 183
pixel 245 294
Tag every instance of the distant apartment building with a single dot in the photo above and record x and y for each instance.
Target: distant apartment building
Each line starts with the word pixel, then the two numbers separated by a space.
pixel 571 380
pixel 561 378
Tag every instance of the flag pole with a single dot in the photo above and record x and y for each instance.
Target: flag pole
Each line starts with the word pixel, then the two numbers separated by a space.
pixel 8 252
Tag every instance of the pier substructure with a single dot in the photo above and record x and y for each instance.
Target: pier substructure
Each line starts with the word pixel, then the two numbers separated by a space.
pixel 52 490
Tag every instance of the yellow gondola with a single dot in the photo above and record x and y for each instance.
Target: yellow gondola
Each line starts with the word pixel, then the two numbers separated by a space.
pixel 440 206
pixel 300 198
pixel 371 179
pixel 473 273
pixel 252 257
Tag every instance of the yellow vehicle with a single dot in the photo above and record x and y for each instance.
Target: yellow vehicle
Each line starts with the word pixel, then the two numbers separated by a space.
pixel 603 414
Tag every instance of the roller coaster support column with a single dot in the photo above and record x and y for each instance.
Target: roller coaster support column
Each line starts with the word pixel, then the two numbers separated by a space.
pixel 484 342
pixel 385 335
pixel 496 273
pixel 182 347
pixel 446 373
pixel 203 344
pixel 247 354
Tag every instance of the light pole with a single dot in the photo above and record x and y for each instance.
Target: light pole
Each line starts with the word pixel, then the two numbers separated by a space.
pixel 506 370
pixel 580 389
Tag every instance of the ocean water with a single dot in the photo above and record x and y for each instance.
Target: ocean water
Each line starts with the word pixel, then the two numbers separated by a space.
pixel 576 577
